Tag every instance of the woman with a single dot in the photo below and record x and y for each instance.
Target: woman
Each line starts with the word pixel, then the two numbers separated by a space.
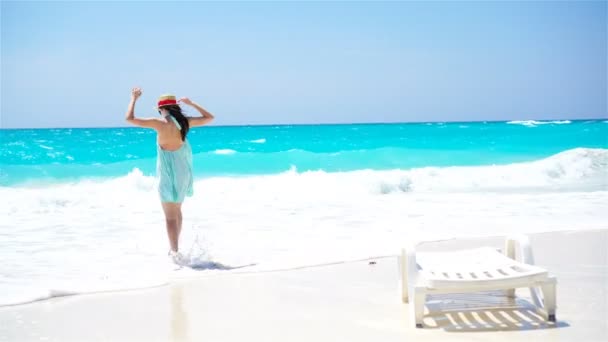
pixel 174 165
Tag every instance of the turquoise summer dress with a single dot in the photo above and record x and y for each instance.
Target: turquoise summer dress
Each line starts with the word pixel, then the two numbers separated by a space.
pixel 174 168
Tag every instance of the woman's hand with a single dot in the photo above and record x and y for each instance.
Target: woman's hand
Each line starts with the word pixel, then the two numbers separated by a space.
pixel 135 93
pixel 186 101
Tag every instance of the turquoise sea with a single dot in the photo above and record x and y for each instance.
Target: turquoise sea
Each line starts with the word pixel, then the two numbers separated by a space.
pixel 57 155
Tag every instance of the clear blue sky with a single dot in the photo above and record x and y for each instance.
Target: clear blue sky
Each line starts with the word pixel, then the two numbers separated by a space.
pixel 72 64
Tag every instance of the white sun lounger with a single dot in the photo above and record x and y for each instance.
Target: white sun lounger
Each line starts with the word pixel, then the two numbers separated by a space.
pixel 474 270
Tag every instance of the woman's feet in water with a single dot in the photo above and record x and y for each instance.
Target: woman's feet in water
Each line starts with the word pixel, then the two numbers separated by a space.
pixel 177 258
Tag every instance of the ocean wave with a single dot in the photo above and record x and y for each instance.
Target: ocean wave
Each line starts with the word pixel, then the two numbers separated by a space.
pixel 258 141
pixel 575 169
pixel 534 123
pixel 584 168
pixel 224 151
pixel 579 169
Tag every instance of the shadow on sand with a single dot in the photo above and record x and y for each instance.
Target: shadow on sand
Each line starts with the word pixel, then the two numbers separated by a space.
pixel 488 311
pixel 214 265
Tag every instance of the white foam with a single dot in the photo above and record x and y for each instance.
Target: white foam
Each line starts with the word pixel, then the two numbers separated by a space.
pixel 224 151
pixel 578 169
pixel 101 235
pixel 534 123
pixel 258 141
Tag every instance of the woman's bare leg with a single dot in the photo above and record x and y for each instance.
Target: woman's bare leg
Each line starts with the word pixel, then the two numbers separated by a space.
pixel 173 222
pixel 179 222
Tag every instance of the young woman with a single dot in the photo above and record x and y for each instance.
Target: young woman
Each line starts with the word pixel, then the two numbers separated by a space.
pixel 174 164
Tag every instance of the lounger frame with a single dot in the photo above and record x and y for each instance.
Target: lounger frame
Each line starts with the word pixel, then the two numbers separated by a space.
pixel 475 270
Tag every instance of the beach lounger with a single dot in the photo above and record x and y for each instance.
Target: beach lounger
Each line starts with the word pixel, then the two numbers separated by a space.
pixel 473 270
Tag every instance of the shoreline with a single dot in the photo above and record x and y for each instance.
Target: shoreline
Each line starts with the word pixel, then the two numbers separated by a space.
pixel 226 273
pixel 351 300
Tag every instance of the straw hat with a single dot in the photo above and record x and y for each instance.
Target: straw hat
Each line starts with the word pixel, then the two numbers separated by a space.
pixel 166 100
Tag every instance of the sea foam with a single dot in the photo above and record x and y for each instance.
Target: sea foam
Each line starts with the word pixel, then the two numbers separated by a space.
pixel 534 123
pixel 108 234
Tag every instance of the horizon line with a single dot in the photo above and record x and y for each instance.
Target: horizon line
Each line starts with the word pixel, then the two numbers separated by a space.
pixel 329 123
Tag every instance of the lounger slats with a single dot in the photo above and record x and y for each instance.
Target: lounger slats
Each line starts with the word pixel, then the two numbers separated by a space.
pixel 481 265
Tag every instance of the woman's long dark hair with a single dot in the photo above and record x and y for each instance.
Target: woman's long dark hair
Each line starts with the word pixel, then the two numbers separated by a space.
pixel 176 112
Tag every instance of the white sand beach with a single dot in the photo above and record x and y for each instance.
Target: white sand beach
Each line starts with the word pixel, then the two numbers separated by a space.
pixel 354 301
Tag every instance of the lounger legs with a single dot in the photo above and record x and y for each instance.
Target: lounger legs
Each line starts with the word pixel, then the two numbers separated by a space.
pixel 417 307
pixel 549 302
pixel 404 279
pixel 546 306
